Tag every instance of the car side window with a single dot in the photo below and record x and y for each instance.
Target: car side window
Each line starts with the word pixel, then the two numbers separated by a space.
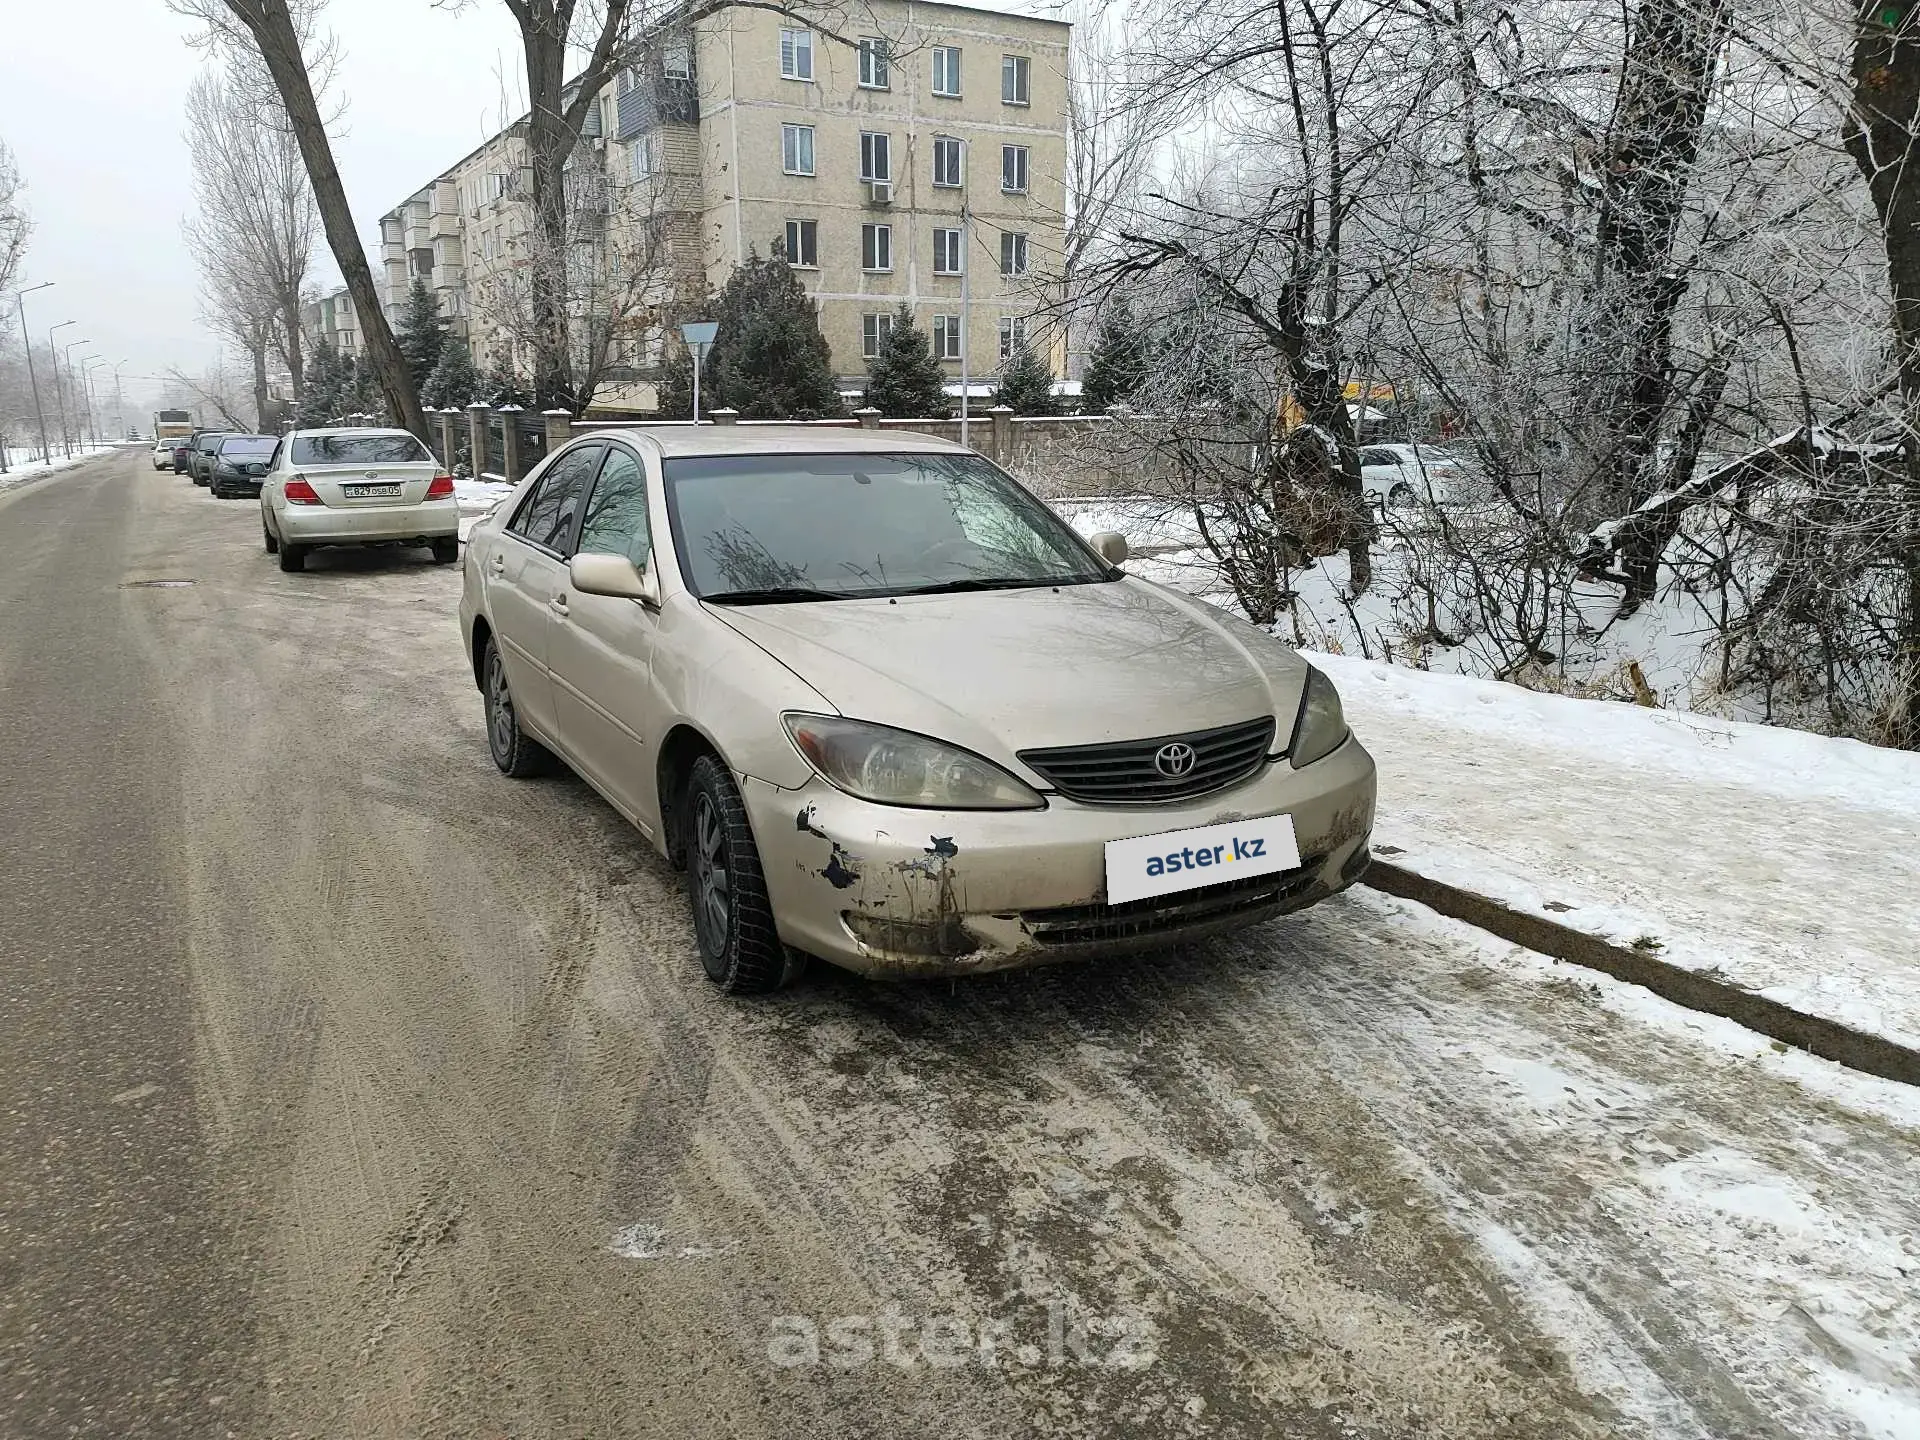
pixel 1378 457
pixel 547 517
pixel 616 518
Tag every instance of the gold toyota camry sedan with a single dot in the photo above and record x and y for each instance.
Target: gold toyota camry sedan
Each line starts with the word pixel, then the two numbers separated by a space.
pixel 887 709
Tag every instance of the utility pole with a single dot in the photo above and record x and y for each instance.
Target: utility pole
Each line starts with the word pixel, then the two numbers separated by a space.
pixel 966 321
pixel 69 348
pixel 26 343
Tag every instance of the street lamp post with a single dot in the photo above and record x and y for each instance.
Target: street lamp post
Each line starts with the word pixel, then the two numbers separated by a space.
pixel 699 337
pixel 119 404
pixel 59 398
pixel 33 377
pixel 69 348
pixel 87 365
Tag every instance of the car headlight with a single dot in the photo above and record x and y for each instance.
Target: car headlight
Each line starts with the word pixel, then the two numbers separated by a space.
pixel 1321 728
pixel 898 767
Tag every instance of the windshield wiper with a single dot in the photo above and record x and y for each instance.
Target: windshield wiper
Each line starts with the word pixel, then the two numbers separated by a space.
pixel 1004 582
pixel 770 595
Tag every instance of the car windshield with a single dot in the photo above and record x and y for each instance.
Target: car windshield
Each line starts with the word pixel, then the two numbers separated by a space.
pixel 358 450
pixel 797 527
pixel 249 445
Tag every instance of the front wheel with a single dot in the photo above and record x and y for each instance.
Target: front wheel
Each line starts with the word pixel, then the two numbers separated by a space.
pixel 732 918
pixel 514 751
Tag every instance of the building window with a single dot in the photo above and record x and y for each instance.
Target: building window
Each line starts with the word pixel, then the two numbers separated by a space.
pixel 1013 335
pixel 948 161
pixel 946 70
pixel 946 337
pixel 873 63
pixel 947 251
pixel 1013 169
pixel 874 330
pixel 803 243
pixel 876 247
pixel 676 61
pixel 1013 252
pixel 796 54
pixel 876 156
pixel 796 149
pixel 1013 80
pixel 640 155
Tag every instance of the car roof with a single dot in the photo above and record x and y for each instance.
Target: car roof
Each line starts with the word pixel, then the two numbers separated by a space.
pixel 350 430
pixel 672 441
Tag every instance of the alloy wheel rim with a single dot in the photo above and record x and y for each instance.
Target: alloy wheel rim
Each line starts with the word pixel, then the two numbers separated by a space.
pixel 713 900
pixel 500 703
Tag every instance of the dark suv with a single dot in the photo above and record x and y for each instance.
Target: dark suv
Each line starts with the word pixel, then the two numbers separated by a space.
pixel 239 463
pixel 200 457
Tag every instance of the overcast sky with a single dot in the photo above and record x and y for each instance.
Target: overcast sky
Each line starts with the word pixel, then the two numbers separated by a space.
pixel 94 121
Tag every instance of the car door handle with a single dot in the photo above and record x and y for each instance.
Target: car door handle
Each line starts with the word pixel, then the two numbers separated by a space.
pixel 558 604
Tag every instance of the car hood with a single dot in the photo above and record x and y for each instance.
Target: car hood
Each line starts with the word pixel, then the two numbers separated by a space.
pixel 1001 671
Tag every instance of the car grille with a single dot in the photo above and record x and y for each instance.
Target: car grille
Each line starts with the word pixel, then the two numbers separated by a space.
pixel 1097 924
pixel 1123 772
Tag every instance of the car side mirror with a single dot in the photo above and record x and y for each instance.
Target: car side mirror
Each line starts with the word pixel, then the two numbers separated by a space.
pixel 1111 546
pixel 613 575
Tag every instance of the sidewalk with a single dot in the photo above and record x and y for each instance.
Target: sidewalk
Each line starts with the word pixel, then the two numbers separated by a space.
pixel 1781 862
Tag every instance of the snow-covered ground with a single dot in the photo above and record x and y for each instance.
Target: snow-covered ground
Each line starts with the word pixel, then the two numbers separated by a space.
pixel 1788 863
pixel 1785 862
pixel 476 498
pixel 25 465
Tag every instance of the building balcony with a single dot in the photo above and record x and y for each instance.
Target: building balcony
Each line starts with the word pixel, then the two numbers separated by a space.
pixel 445 225
pixel 449 277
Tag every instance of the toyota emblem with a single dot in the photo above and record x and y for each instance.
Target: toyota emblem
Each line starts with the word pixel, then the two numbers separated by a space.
pixel 1174 760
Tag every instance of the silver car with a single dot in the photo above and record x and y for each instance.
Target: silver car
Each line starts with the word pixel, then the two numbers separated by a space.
pixel 163 453
pixel 889 710
pixel 356 487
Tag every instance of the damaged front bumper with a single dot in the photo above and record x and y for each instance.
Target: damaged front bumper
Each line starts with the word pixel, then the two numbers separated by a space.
pixel 893 891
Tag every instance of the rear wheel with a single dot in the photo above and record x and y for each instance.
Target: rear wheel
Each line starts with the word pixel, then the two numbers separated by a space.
pixel 732 918
pixel 293 558
pixel 446 550
pixel 513 750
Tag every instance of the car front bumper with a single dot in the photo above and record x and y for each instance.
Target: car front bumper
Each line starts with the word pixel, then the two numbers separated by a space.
pixel 368 524
pixel 891 891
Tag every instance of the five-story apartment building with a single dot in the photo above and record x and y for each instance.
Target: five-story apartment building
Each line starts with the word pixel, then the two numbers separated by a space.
pixel 899 151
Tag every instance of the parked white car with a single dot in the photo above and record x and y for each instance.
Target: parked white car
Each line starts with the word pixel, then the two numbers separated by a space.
pixel 1401 474
pixel 163 453
pixel 356 487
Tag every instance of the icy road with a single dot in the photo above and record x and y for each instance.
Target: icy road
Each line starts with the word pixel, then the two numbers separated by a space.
pixel 349 1089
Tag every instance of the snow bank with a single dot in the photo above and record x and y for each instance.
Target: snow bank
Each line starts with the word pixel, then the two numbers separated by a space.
pixel 1784 862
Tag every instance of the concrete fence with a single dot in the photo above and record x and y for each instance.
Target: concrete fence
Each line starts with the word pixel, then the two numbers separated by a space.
pixel 1054 454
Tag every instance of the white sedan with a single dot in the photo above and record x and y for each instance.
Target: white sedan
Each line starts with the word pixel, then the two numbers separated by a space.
pixel 356 487
pixel 1401 474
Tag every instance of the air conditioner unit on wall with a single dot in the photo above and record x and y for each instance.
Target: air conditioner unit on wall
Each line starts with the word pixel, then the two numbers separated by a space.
pixel 880 192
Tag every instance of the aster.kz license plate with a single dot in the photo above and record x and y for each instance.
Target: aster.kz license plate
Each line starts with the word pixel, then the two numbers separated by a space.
pixel 1150 865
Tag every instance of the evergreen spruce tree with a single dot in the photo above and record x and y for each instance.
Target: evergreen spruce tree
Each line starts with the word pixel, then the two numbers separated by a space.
pixel 769 360
pixel 904 380
pixel 456 381
pixel 1026 384
pixel 1118 365
pixel 328 384
pixel 422 331
pixel 504 388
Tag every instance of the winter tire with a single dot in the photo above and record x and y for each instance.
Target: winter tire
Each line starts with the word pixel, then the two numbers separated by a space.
pixel 293 558
pixel 446 551
pixel 516 753
pixel 732 919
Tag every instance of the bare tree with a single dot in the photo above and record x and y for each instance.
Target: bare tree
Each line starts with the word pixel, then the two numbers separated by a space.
pixel 253 224
pixel 278 31
pixel 15 226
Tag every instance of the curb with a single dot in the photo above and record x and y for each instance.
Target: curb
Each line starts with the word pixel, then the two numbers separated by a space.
pixel 1857 1050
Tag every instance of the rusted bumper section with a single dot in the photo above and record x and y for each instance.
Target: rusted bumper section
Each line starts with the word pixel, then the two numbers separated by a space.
pixel 898 892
